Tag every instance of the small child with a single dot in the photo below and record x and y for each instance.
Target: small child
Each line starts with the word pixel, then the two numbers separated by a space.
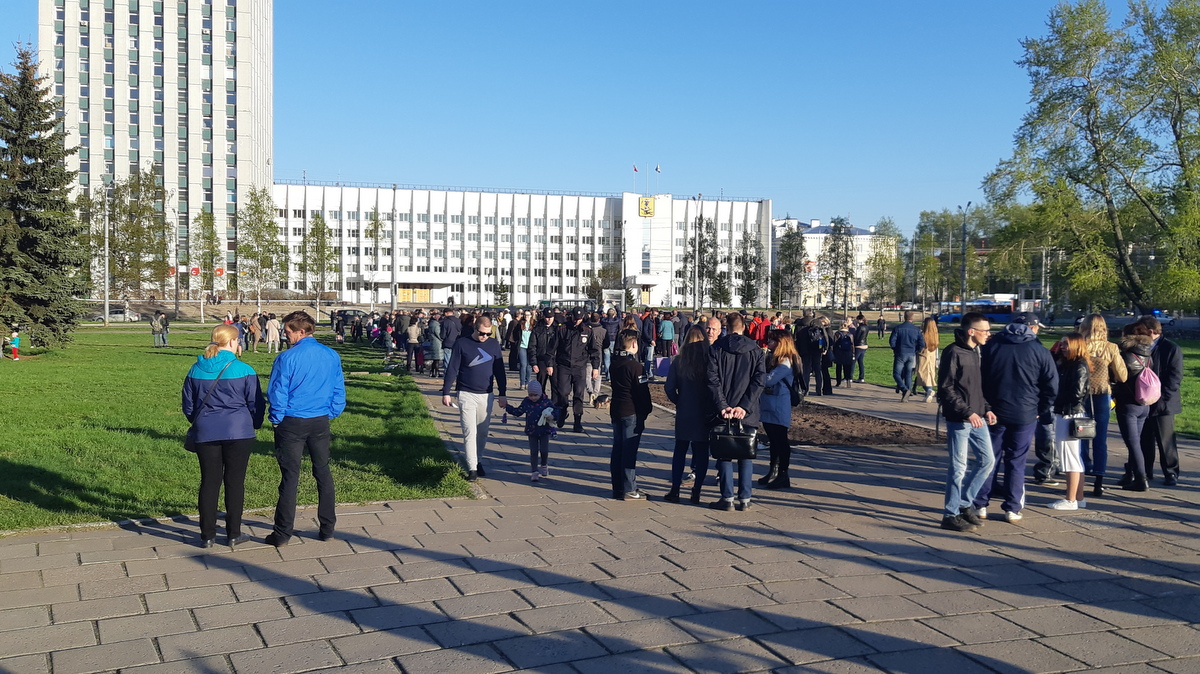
pixel 15 342
pixel 539 426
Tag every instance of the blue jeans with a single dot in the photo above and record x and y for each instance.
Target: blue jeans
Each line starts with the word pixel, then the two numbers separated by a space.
pixel 525 371
pixel 902 370
pixel 962 436
pixel 606 360
pixel 679 459
pixel 1095 452
pixel 860 356
pixel 745 475
pixel 648 361
pixel 623 462
pixel 1010 446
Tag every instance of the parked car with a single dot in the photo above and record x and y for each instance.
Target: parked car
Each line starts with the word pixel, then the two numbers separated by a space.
pixel 1163 317
pixel 351 314
pixel 119 316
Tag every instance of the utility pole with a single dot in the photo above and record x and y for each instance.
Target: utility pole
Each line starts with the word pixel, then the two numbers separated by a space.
pixel 106 280
pixel 963 279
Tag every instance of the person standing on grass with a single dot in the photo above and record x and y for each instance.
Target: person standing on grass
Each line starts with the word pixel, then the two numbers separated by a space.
pixel 223 400
pixel 629 408
pixel 906 340
pixel 475 364
pixel 306 391
pixel 686 388
pixel 14 341
pixel 539 426
pixel 736 373
pixel 157 329
pixel 274 328
pixel 968 415
pixel 861 332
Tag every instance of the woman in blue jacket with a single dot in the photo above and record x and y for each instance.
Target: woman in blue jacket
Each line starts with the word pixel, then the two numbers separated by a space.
pixel 223 399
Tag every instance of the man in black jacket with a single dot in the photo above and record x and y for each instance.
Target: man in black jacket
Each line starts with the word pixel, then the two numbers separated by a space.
pixel 736 377
pixel 960 392
pixel 1020 382
pixel 541 349
pixel 861 331
pixel 575 348
pixel 451 329
pixel 1159 431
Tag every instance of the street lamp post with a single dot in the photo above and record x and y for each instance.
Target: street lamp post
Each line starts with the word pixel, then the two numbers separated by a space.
pixel 962 311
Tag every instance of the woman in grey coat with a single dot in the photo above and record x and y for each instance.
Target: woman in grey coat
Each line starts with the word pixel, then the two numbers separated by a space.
pixel 435 346
pixel 693 412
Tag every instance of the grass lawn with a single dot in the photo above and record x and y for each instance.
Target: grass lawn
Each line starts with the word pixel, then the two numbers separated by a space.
pixel 879 371
pixel 94 433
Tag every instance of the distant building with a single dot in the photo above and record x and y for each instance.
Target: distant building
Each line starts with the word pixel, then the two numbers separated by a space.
pixel 815 235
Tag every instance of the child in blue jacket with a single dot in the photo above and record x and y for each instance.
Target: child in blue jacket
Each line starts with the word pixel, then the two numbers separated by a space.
pixel 539 413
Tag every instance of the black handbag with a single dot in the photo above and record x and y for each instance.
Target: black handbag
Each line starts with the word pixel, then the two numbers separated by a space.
pixel 731 441
pixel 189 440
pixel 1084 428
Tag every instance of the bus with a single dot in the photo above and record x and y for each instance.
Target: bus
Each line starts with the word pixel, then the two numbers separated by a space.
pixel 997 311
pixel 567 305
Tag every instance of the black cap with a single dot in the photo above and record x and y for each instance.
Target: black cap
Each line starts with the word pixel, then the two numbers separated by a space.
pixel 577 313
pixel 1029 318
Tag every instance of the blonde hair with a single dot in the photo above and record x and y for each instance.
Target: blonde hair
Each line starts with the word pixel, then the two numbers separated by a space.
pixel 220 337
pixel 1094 330
pixel 932 338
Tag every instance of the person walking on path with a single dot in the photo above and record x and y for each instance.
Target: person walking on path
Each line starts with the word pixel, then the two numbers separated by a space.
pixel 539 427
pixel 1137 352
pixel 776 405
pixel 687 388
pixel 629 407
pixel 592 373
pixel 905 341
pixel 612 325
pixel 927 358
pixel 1069 404
pixel 307 390
pixel 1020 382
pixel 736 376
pixel 475 365
pixel 223 400
pixel 861 332
pixel 968 415
pixel 1107 369
pixel 1159 431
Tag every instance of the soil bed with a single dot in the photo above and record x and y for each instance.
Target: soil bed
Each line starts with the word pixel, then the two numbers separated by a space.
pixel 821 425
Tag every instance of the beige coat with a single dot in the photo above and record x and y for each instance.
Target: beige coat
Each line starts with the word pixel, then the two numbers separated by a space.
pixel 926 374
pixel 1107 367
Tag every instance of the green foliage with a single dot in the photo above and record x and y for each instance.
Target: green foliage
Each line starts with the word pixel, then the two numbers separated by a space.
pixel 319 257
pixel 719 291
pixel 42 260
pixel 502 292
pixel 700 256
pixel 836 262
pixel 374 233
pixel 206 248
pixel 262 257
pixel 793 275
pixel 885 267
pixel 138 233
pixel 749 261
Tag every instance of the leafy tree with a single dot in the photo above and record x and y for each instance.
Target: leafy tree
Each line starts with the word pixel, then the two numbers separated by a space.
pixel 42 260
pixel 792 265
pixel 262 257
pixel 206 249
pixel 319 257
pixel 138 232
pixel 701 254
pixel 611 278
pixel 595 290
pixel 749 260
pixel 374 232
pixel 502 291
pixel 837 259
pixel 885 268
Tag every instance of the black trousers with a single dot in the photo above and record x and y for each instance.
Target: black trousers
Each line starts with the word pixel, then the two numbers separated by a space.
pixel 542 378
pixel 223 462
pixel 1159 433
pixel 293 436
pixel 568 381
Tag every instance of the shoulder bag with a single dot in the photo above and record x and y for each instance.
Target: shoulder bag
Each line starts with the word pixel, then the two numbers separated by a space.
pixel 1083 428
pixel 731 441
pixel 189 441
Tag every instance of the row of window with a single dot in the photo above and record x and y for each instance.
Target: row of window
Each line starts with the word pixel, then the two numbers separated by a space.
pixel 538 256
pixel 470 287
pixel 441 218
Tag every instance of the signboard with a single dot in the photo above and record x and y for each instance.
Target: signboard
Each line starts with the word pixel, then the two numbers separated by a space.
pixel 218 272
pixel 810 266
pixel 195 271
pixel 646 207
pixel 173 271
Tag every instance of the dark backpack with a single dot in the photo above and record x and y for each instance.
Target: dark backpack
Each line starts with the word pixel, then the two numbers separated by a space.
pixel 816 338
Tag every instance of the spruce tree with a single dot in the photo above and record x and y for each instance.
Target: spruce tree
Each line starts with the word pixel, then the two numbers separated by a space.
pixel 42 258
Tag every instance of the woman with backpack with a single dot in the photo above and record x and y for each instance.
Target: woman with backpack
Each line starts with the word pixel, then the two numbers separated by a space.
pixel 1132 411
pixel 927 358
pixel 843 355
pixel 687 388
pixel 1108 369
pixel 776 406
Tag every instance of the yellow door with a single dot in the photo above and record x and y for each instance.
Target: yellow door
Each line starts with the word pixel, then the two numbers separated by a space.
pixel 404 294
pixel 422 295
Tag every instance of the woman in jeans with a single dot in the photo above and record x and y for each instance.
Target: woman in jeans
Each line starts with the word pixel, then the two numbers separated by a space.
pixel 686 387
pixel 1137 343
pixel 775 406
pixel 1108 369
pixel 224 401
pixel 522 333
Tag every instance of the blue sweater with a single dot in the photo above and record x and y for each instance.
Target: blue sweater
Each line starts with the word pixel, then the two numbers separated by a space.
pixel 307 382
pixel 236 405
pixel 473 365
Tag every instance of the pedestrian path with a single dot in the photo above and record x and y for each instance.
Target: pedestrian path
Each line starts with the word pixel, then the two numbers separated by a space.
pixel 847 572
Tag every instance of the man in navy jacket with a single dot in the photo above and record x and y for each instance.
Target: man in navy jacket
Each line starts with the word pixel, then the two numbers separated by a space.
pixel 474 364
pixel 1159 431
pixel 906 341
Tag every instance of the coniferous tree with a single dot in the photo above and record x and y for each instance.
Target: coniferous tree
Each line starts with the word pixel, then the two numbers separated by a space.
pixel 41 256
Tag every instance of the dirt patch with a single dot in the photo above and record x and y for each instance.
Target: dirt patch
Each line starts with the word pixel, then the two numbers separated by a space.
pixel 822 425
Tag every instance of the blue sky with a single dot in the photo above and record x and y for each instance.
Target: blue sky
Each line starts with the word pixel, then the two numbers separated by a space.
pixel 865 109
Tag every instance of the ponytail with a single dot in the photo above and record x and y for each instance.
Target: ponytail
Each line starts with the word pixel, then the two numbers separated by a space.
pixel 220 337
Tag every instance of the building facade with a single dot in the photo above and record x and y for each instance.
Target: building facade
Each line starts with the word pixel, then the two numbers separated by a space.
pixel 181 87
pixel 812 292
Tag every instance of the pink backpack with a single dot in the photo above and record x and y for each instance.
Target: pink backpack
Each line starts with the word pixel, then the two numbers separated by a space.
pixel 1147 389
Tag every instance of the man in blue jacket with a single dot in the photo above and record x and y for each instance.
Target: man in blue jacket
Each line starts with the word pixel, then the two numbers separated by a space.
pixel 906 341
pixel 1020 382
pixel 474 364
pixel 307 389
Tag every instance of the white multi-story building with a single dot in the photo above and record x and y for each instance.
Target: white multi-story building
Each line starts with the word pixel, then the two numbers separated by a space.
pixel 438 243
pixel 182 86
pixel 815 235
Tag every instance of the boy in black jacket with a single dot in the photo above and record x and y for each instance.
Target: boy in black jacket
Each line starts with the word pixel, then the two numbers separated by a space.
pixel 629 408
pixel 960 392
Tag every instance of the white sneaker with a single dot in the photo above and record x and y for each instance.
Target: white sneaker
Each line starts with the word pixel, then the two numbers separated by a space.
pixel 544 471
pixel 1064 504
pixel 981 513
pixel 535 476
pixel 1012 516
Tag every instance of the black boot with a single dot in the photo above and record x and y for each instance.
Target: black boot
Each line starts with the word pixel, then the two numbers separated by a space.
pixel 578 424
pixel 1137 483
pixel 672 496
pixel 782 480
pixel 1127 478
pixel 696 488
pixel 1098 487
pixel 772 472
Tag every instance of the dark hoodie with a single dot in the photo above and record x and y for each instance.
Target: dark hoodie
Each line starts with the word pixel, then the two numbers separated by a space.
pixel 1137 352
pixel 1020 379
pixel 960 380
pixel 736 375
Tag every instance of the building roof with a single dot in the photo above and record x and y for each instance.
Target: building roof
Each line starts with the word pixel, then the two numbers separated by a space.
pixel 826 229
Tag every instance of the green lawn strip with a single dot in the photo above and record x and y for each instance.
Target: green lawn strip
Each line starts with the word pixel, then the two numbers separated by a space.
pixel 94 433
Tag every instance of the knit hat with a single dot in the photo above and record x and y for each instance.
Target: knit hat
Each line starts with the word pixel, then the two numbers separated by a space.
pixel 533 387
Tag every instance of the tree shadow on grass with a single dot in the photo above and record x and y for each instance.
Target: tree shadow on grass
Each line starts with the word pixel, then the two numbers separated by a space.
pixel 55 493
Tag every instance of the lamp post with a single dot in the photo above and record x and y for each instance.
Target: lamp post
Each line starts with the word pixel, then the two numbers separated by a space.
pixel 963 278
pixel 106 279
pixel 696 260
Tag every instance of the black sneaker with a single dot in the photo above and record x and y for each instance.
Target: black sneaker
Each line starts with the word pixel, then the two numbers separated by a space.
pixel 743 505
pixel 969 515
pixel 479 471
pixel 272 539
pixel 472 476
pixel 957 523
pixel 721 505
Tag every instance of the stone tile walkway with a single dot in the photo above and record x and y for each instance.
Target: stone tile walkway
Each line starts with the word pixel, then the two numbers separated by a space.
pixel 847 572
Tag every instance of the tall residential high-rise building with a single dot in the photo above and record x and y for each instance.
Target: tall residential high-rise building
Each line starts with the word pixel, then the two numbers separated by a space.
pixel 180 87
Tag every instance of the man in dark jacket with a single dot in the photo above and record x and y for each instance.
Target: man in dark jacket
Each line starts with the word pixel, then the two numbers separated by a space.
pixel 602 339
pixel 649 331
pixel 960 392
pixel 736 376
pixel 906 341
pixel 541 349
pixel 861 331
pixel 575 349
pixel 612 325
pixel 473 368
pixel 451 329
pixel 1020 382
pixel 1159 431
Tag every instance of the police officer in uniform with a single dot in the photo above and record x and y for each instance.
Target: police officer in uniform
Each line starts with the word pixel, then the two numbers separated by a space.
pixel 541 349
pixel 575 348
